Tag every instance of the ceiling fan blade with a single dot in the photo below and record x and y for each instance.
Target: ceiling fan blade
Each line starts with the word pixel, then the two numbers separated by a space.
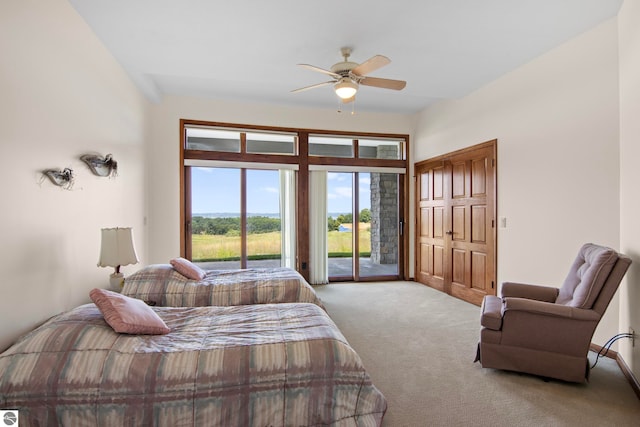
pixel 302 89
pixel 384 83
pixel 320 70
pixel 370 65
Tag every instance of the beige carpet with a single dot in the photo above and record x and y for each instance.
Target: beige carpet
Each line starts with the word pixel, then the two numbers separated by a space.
pixel 419 344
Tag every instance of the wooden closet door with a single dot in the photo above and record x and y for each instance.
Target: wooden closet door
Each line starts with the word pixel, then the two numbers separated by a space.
pixel 430 248
pixel 455 247
pixel 472 242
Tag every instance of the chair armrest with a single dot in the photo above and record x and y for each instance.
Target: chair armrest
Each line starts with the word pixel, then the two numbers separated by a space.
pixel 548 327
pixel 548 309
pixel 533 292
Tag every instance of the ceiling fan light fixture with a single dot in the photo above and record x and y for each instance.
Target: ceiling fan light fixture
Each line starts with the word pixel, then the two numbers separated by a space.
pixel 346 88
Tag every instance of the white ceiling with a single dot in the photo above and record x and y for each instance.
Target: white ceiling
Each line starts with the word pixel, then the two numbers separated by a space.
pixel 248 49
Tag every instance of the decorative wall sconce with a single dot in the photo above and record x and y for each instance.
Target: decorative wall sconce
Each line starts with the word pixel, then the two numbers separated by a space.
pixel 101 166
pixel 62 178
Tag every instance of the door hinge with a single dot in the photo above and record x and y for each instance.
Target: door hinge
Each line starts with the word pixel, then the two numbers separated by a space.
pixel 493 163
pixel 493 223
pixel 492 284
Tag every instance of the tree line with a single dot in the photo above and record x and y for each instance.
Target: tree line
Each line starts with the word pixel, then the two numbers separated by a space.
pixel 260 224
pixel 334 224
pixel 231 226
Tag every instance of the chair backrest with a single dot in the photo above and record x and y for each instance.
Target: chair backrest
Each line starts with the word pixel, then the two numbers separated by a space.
pixel 595 270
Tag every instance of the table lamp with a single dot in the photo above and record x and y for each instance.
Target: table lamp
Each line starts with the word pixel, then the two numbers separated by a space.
pixel 117 249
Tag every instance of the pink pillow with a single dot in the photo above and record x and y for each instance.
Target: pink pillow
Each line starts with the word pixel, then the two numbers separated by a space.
pixel 188 269
pixel 128 315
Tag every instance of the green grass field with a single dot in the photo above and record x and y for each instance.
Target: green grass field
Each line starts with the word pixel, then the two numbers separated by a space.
pixel 206 247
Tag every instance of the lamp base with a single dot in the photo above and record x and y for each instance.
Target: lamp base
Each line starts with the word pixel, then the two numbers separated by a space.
pixel 116 280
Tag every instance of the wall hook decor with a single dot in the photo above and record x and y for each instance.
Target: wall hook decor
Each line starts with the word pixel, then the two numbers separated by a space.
pixel 101 166
pixel 62 178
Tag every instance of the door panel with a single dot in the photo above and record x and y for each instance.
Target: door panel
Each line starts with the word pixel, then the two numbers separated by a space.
pixel 459 267
pixel 456 230
pixel 478 271
pixel 425 220
pixel 438 262
pixel 438 222
pixel 458 216
pixel 478 222
pixel 426 266
pixel 479 177
pixel 438 183
pixel 458 172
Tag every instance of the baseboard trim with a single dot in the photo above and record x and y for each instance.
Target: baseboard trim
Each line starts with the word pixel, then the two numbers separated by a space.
pixel 633 381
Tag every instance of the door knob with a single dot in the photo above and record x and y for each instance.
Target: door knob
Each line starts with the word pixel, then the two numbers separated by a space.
pixel 450 232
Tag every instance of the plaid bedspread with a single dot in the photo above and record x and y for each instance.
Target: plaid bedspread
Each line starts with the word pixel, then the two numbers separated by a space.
pixel 259 365
pixel 164 286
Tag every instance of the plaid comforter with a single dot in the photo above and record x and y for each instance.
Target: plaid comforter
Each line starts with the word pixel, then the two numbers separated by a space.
pixel 164 286
pixel 260 365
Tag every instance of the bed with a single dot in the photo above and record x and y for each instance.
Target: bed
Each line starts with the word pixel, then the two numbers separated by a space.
pixel 257 365
pixel 162 285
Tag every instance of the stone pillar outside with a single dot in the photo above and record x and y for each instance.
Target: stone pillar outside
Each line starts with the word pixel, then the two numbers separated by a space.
pixel 384 211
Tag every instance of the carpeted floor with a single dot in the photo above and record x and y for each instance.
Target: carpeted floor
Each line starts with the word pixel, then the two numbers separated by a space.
pixel 419 344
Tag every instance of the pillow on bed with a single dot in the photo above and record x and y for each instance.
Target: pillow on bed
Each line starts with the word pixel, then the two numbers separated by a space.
pixel 188 269
pixel 128 315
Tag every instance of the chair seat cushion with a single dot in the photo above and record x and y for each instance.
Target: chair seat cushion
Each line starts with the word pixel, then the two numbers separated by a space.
pixel 491 310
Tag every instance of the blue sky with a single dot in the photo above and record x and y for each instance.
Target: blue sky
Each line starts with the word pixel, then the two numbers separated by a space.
pixel 218 190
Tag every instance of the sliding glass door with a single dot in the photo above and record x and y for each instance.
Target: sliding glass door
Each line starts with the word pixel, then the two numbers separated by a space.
pixel 340 225
pixel 237 217
pixel 363 219
pixel 262 229
pixel 379 225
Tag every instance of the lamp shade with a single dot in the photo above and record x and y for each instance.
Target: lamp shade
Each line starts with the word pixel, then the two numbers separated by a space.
pixel 345 88
pixel 117 248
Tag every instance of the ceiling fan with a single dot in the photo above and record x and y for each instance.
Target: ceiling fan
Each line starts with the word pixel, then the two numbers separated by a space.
pixel 348 76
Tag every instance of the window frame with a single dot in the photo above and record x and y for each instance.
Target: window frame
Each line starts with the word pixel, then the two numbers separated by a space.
pixel 300 160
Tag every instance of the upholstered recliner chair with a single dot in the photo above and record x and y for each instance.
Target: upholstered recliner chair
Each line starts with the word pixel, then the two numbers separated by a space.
pixel 547 331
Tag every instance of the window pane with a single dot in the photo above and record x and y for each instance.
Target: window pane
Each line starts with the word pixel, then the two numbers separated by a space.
pixel 271 143
pixel 330 146
pixel 340 224
pixel 213 140
pixel 364 218
pixel 379 149
pixel 215 222
pixel 263 218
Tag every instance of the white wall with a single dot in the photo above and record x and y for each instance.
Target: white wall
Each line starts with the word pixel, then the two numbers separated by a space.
pixel 61 95
pixel 629 51
pixel 164 166
pixel 556 121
